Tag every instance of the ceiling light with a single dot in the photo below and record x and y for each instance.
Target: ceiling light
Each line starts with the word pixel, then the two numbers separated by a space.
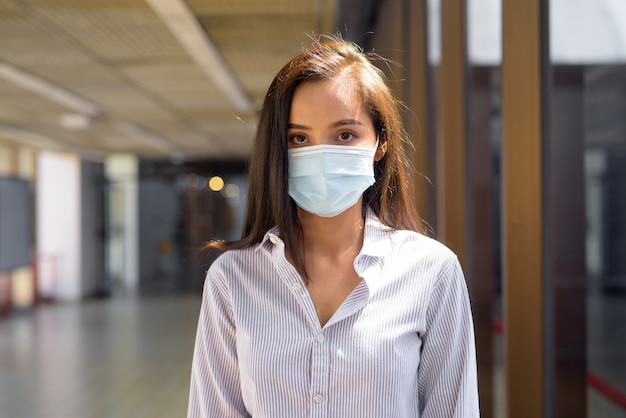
pixel 216 183
pixel 27 137
pixel 176 15
pixel 47 89
pixel 145 136
pixel 231 191
pixel 75 121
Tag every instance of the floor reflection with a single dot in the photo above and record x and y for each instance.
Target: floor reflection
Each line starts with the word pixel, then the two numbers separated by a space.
pixel 127 357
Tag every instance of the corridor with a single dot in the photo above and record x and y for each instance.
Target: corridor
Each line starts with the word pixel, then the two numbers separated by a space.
pixel 114 358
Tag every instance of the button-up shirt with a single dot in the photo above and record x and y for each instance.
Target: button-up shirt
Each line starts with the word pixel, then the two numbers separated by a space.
pixel 400 345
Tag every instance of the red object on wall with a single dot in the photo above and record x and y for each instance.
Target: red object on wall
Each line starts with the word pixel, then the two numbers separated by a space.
pixel 5 294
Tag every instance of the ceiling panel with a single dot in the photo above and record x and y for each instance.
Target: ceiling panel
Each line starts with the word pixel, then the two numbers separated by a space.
pixel 125 30
pixel 179 83
pixel 24 43
pixel 153 98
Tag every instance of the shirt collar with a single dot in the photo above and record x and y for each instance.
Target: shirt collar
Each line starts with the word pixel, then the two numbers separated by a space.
pixel 271 237
pixel 376 238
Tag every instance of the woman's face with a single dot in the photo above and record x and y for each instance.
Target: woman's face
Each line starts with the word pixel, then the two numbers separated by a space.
pixel 325 112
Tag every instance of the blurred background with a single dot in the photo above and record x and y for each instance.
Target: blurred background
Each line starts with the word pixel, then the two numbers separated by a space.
pixel 125 128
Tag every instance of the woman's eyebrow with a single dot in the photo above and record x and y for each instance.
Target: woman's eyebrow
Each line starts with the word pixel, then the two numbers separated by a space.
pixel 341 122
pixel 296 126
pixel 346 122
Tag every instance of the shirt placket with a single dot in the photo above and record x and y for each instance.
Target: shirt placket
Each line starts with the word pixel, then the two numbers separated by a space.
pixel 320 369
pixel 320 354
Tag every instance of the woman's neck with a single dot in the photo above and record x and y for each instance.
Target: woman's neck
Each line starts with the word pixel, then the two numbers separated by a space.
pixel 333 237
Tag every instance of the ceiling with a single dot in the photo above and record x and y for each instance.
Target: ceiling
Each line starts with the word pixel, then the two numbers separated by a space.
pixel 178 79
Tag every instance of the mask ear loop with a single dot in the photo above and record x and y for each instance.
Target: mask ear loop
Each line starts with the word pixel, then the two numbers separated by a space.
pixel 365 204
pixel 379 148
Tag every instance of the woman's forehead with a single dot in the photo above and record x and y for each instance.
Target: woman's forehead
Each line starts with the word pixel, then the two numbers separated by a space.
pixel 325 101
pixel 338 90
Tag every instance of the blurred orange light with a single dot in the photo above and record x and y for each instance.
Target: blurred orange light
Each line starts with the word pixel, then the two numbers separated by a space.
pixel 216 183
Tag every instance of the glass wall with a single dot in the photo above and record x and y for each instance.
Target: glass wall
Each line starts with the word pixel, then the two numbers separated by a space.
pixel 583 111
pixel 605 202
pixel 181 206
pixel 588 38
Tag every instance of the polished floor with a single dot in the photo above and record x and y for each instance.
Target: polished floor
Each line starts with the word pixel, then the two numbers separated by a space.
pixel 131 357
pixel 122 357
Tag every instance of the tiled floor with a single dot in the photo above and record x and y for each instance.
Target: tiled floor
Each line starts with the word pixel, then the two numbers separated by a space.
pixel 122 357
pixel 131 357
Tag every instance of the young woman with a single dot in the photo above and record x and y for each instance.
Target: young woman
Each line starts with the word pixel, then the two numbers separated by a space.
pixel 333 303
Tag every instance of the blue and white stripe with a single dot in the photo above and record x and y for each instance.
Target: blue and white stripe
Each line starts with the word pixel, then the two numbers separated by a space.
pixel 401 344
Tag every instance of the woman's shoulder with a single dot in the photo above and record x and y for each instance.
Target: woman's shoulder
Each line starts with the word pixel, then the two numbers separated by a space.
pixel 412 240
pixel 237 256
pixel 233 263
pixel 422 249
pixel 406 242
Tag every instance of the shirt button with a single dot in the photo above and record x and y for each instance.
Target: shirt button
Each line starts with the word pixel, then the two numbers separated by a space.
pixel 318 398
pixel 274 239
pixel 320 338
pixel 296 286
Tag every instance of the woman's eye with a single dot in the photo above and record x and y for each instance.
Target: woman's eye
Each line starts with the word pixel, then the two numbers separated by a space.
pixel 346 136
pixel 298 139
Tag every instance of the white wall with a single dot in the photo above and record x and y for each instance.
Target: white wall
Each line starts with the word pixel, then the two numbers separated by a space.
pixel 58 223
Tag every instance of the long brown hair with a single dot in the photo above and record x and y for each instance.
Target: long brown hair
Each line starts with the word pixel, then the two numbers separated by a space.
pixel 269 203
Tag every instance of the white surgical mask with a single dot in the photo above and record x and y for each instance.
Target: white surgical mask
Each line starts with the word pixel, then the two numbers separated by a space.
pixel 328 179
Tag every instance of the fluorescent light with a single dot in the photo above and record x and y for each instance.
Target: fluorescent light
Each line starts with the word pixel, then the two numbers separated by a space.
pixel 75 121
pixel 33 139
pixel 47 89
pixel 176 15
pixel 28 137
pixel 87 110
pixel 145 136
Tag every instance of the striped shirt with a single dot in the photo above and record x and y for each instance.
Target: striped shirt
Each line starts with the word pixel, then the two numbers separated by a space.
pixel 401 344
